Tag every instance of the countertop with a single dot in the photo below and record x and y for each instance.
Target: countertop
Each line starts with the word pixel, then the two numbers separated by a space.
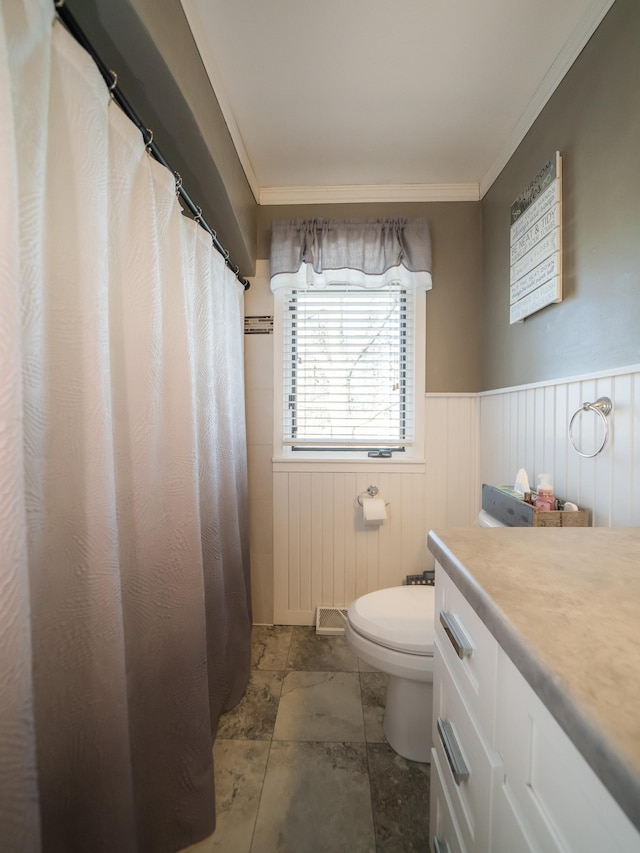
pixel 564 604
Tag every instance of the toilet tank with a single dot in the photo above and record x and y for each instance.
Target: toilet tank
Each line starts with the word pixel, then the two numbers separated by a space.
pixel 486 520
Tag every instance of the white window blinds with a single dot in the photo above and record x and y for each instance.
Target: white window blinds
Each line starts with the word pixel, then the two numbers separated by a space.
pixel 348 364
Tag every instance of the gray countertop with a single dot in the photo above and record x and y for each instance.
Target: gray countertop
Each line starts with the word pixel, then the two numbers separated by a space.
pixel 564 604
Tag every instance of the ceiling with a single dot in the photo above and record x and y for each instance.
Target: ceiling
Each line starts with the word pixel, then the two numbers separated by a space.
pixel 372 100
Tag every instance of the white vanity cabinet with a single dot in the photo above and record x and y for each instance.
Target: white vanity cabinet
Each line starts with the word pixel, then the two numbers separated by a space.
pixel 505 778
pixel 465 765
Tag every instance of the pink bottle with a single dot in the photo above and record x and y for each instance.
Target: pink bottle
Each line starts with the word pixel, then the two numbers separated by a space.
pixel 545 498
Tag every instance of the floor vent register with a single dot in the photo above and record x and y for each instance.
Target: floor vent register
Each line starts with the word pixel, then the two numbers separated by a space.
pixel 330 620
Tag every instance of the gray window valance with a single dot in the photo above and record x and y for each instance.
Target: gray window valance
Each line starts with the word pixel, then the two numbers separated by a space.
pixel 359 252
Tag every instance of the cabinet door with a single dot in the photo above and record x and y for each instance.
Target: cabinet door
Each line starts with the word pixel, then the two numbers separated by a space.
pixel 555 791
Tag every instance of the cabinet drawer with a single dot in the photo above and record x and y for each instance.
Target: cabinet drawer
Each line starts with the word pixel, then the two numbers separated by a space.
pixel 442 823
pixel 460 746
pixel 559 796
pixel 474 671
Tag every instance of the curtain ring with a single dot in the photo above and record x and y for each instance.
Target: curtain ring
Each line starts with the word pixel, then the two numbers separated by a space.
pixel 178 178
pixel 149 141
pixel 114 78
pixel 602 407
pixel 226 254
pixel 198 217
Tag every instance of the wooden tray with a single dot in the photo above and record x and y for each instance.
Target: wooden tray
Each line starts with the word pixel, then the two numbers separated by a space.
pixel 516 513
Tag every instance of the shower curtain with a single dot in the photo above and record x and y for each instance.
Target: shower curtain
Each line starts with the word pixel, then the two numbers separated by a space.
pixel 124 587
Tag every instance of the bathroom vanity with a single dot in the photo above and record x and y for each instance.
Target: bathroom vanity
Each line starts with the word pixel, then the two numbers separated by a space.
pixel 536 695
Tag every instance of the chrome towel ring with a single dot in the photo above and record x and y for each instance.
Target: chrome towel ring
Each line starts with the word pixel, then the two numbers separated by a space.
pixel 602 407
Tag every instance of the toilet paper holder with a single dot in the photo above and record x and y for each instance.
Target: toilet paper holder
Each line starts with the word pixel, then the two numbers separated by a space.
pixel 372 491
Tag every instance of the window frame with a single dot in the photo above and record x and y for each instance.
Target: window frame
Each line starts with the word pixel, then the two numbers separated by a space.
pixel 412 452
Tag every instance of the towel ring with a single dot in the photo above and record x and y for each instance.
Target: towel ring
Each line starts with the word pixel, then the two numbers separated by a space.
pixel 602 407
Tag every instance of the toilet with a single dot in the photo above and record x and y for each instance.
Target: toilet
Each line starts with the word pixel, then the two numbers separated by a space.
pixel 393 630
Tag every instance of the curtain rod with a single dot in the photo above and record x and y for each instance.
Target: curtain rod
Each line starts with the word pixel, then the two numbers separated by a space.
pixel 111 79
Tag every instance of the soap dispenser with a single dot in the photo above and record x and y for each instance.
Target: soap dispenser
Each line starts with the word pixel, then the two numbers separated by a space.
pixel 545 498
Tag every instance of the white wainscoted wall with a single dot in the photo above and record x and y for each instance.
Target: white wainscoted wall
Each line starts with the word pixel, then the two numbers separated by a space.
pixel 308 544
pixel 258 384
pixel 324 554
pixel 323 551
pixel 527 428
pixel 451 454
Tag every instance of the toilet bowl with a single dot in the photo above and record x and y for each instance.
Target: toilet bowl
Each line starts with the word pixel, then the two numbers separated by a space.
pixel 392 629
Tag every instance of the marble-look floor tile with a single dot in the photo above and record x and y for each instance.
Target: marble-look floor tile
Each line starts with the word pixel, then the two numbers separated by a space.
pixel 254 716
pixel 400 797
pixel 366 667
pixel 316 653
pixel 239 766
pixel 270 646
pixel 320 706
pixel 316 799
pixel 373 686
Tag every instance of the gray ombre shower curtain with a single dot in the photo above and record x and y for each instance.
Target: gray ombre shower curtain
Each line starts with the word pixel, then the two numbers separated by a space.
pixel 124 588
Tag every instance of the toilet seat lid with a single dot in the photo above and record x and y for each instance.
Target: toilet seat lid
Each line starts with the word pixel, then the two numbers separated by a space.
pixel 400 617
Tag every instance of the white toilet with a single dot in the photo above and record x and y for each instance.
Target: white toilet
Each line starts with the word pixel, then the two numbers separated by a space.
pixel 392 629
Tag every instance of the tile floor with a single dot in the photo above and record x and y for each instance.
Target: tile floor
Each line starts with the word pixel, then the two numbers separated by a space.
pixel 301 764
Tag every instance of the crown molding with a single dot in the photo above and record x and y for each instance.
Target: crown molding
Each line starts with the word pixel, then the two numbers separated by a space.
pixel 586 27
pixel 346 194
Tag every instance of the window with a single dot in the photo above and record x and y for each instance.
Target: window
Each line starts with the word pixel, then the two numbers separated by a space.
pixel 349 323
pixel 348 368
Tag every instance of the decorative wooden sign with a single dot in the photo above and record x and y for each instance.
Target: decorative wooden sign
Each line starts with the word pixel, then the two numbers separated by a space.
pixel 536 243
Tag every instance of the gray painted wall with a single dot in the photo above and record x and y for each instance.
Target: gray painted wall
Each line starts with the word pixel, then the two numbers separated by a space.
pixel 453 305
pixel 593 119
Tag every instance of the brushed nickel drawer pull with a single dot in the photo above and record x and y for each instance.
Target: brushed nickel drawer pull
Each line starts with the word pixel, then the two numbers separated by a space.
pixel 454 632
pixel 452 751
pixel 440 846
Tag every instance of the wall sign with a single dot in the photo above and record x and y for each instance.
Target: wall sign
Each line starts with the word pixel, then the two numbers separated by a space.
pixel 536 243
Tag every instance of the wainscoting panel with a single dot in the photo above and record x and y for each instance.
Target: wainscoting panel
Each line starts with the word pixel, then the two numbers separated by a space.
pixel 451 453
pixel 528 428
pixel 323 552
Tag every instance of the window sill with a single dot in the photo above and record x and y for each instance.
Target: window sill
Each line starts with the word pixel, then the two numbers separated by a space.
pixel 392 466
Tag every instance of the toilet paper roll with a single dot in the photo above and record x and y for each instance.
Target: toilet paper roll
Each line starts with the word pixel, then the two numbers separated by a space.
pixel 373 510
